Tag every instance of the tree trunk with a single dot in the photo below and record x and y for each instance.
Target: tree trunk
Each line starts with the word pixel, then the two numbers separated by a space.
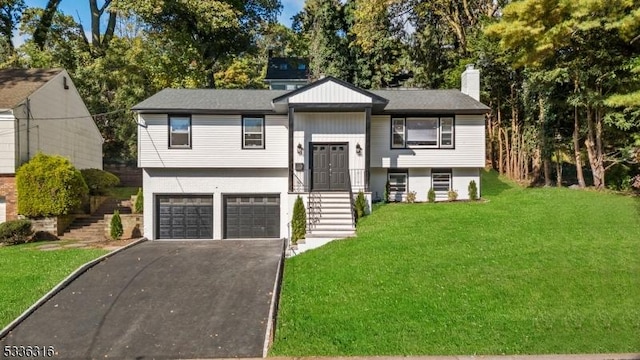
pixel 593 144
pixel 576 148
pixel 44 25
pixel 543 141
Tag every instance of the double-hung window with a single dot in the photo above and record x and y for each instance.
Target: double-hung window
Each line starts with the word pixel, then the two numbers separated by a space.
pixel 179 131
pixel 397 184
pixel 422 132
pixel 441 181
pixel 252 132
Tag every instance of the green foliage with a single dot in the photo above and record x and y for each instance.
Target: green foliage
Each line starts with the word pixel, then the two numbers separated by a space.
pixel 387 191
pixel 138 206
pixel 49 186
pixel 411 197
pixel 15 232
pixel 299 221
pixel 473 190
pixel 99 181
pixel 360 206
pixel 431 195
pixel 115 228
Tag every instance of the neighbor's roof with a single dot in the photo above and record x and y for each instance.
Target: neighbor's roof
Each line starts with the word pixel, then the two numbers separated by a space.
pixel 17 84
pixel 260 101
pixel 285 68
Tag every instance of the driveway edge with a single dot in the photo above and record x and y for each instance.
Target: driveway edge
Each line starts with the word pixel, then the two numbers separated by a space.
pixel 275 297
pixel 56 289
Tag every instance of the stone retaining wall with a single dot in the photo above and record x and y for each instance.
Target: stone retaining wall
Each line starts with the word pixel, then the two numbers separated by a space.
pixel 131 225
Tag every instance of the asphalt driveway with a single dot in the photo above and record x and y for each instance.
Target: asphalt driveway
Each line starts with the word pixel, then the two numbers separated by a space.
pixel 162 300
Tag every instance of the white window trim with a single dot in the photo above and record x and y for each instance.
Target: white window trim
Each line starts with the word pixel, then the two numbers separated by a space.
pixel 245 132
pixel 441 132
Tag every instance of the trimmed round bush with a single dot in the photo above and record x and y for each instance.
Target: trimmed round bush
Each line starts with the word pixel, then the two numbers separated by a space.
pixel 49 186
pixel 99 181
pixel 15 232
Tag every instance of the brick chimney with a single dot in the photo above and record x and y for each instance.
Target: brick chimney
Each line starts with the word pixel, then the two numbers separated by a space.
pixel 471 82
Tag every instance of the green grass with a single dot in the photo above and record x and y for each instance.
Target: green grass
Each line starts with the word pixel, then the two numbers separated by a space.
pixel 26 274
pixel 541 270
pixel 122 192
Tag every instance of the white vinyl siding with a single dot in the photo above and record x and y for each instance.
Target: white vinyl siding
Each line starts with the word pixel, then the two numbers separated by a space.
pixel 329 92
pixel 216 141
pixel 469 151
pixel 7 143
pixel 215 182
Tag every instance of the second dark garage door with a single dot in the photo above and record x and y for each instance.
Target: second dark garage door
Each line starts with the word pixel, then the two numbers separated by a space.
pixel 252 216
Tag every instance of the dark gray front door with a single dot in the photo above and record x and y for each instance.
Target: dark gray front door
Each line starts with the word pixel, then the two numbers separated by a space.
pixel 252 216
pixel 330 167
pixel 184 216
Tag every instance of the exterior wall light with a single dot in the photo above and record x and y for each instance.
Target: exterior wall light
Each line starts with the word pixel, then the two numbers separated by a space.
pixel 300 149
pixel 358 149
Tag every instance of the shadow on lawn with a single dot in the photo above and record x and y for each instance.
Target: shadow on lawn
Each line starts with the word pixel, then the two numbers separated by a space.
pixel 492 185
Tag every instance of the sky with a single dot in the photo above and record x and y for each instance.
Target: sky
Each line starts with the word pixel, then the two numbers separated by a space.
pixel 79 9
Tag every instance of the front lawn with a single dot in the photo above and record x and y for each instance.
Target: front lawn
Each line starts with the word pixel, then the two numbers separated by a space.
pixel 26 274
pixel 542 270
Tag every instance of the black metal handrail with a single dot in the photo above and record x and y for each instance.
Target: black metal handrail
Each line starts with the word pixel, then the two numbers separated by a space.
pixel 303 180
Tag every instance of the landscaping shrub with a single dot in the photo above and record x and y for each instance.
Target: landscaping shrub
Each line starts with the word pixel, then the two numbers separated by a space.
pixel 49 186
pixel 452 195
pixel 116 230
pixel 360 206
pixel 299 221
pixel 411 197
pixel 431 196
pixel 473 191
pixel 387 190
pixel 15 232
pixel 138 206
pixel 99 181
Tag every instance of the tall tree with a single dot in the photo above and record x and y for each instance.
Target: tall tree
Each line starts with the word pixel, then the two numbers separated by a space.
pixel 10 12
pixel 570 34
pixel 323 26
pixel 216 29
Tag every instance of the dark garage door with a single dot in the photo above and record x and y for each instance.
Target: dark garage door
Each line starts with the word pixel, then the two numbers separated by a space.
pixel 252 216
pixel 185 217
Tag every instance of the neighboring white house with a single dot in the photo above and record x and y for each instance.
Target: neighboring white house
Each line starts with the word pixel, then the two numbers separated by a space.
pixel 220 164
pixel 41 111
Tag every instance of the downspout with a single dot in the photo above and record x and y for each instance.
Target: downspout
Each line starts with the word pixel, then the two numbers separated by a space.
pixel 28 128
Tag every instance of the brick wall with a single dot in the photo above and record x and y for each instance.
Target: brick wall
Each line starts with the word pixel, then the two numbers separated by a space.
pixel 9 191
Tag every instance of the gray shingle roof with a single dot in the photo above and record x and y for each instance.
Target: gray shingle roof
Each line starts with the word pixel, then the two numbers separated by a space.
pixel 260 101
pixel 17 84
pixel 210 100
pixel 415 100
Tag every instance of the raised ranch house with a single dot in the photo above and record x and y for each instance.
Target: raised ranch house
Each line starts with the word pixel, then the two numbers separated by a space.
pixel 222 164
pixel 41 111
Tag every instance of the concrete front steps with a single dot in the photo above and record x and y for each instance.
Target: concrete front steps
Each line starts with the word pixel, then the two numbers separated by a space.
pixel 91 228
pixel 330 215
